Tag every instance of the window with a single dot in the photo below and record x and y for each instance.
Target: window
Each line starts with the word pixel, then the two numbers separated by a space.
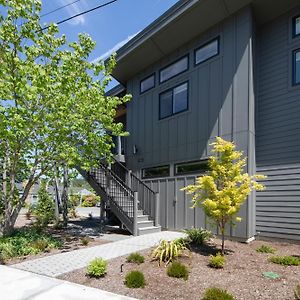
pixel 296 26
pixel 147 83
pixel 191 167
pixel 174 69
pixel 173 101
pixel 207 51
pixel 296 67
pixel 162 171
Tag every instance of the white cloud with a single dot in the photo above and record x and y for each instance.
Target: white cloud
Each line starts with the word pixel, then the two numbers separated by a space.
pixel 75 9
pixel 114 48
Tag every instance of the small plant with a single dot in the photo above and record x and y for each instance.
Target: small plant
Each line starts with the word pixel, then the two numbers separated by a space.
pixel 135 258
pixel 135 279
pixel 28 213
pixel 265 249
pixel 90 200
pixel 85 240
pixel 285 260
pixel 198 236
pixel 167 251
pixel 73 213
pixel 217 261
pixel 297 292
pixel 97 267
pixel 40 245
pixel 178 270
pixel 217 294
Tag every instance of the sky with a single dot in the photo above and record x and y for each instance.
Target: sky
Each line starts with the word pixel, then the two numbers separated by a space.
pixel 111 26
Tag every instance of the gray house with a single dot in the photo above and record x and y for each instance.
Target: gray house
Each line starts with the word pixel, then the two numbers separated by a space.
pixel 228 68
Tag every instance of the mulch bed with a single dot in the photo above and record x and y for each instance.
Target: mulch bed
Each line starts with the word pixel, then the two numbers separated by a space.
pixel 242 275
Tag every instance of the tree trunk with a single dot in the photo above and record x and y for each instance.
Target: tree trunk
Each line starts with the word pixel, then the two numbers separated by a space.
pixel 64 197
pixel 57 196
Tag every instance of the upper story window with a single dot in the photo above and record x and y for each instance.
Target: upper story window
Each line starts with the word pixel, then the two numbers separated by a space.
pixel 147 83
pixel 207 51
pixel 173 101
pixel 191 167
pixel 161 171
pixel 174 69
pixel 296 67
pixel 296 26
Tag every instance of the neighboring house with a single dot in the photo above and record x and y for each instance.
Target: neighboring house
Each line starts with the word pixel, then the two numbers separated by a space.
pixel 215 68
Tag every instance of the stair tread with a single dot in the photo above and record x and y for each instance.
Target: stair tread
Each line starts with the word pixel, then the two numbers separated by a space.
pixel 150 227
pixel 146 221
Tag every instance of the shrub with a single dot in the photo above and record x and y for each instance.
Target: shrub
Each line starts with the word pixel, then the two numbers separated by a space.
pixel 198 236
pixel 135 279
pixel 285 260
pixel 97 267
pixel 40 245
pixel 73 213
pixel 135 258
pixel 178 270
pixel 85 240
pixel 167 251
pixel 297 292
pixel 265 249
pixel 217 261
pixel 90 200
pixel 217 294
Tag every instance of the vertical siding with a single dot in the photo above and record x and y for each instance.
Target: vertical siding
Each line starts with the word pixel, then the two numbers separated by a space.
pixel 277 132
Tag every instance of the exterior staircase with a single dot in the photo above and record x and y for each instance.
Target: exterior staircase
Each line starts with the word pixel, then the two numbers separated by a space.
pixel 126 196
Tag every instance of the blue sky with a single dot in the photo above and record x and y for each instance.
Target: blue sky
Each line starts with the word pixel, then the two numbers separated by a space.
pixel 110 26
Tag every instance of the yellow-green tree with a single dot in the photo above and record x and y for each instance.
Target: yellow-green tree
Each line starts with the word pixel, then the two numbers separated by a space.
pixel 225 187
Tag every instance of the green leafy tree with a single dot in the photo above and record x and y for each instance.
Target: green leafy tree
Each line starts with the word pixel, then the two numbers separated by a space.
pixel 53 108
pixel 225 187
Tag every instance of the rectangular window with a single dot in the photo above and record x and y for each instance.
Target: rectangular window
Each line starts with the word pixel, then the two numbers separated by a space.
pixel 296 26
pixel 162 171
pixel 173 101
pixel 207 51
pixel 191 167
pixel 296 67
pixel 147 83
pixel 174 69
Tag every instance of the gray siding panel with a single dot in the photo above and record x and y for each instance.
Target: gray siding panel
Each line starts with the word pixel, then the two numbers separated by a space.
pixel 277 132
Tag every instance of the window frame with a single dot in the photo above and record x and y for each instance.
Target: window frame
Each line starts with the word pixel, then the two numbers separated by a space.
pixel 172 63
pixel 204 161
pixel 154 79
pixel 172 89
pixel 204 45
pixel 295 35
pixel 294 83
pixel 157 176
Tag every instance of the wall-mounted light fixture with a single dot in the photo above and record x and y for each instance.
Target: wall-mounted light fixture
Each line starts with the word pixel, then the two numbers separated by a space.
pixel 135 149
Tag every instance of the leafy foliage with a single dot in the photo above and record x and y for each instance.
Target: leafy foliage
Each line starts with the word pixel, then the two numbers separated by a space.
pixel 135 258
pixel 167 251
pixel 217 294
pixel 226 186
pixel 217 262
pixel 85 240
pixel 97 267
pixel 285 260
pixel 135 279
pixel 90 200
pixel 25 242
pixel 198 236
pixel 297 292
pixel 178 270
pixel 265 249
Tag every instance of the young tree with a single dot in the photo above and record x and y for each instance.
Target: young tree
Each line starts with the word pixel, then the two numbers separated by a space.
pixel 225 187
pixel 52 109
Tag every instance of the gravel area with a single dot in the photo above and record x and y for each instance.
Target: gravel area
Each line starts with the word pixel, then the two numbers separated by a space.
pixel 242 275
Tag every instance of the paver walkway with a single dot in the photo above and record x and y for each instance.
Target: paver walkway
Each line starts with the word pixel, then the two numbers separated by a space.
pixel 21 285
pixel 58 264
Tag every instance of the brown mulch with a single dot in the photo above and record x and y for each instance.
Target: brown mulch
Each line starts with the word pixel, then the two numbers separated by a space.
pixel 242 275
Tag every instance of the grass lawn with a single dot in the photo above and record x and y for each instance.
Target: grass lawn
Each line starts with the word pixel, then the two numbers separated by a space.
pixel 242 275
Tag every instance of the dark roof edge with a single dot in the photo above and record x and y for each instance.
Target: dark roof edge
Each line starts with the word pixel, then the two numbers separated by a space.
pixel 116 90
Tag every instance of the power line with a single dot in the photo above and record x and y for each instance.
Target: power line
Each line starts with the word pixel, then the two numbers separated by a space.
pixel 82 13
pixel 59 8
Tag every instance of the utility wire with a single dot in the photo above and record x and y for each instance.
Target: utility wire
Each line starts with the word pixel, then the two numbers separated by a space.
pixel 82 13
pixel 59 8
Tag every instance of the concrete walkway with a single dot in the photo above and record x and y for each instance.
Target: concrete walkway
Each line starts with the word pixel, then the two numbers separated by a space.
pixel 21 285
pixel 58 264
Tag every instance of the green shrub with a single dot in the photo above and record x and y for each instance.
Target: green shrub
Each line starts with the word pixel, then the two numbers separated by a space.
pixel 97 267
pixel 285 260
pixel 198 236
pixel 265 249
pixel 178 270
pixel 167 251
pixel 40 245
pixel 217 294
pixel 217 261
pixel 135 279
pixel 135 258
pixel 85 240
pixel 90 200
pixel 297 292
